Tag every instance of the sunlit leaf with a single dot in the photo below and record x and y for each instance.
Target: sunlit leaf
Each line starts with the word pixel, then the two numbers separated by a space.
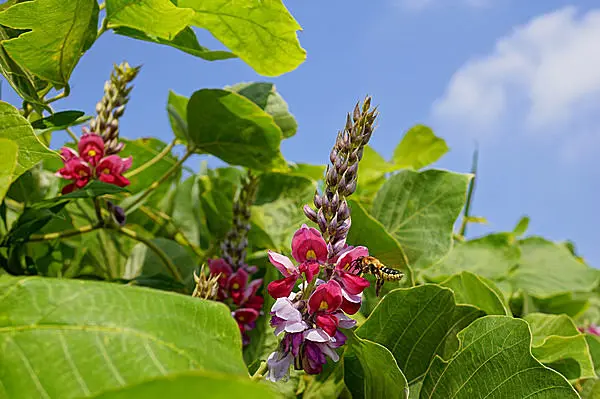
pixel 59 121
pixel 59 33
pixel 494 362
pixel 419 147
pixel 8 163
pixel 102 336
pixel 263 34
pixel 160 18
pixel 16 128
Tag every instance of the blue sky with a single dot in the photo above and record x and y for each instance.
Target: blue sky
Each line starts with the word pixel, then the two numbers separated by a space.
pixel 521 78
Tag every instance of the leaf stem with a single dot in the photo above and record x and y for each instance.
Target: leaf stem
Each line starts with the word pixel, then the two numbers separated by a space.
pixel 73 135
pixel 161 180
pixel 465 220
pixel 159 252
pixel 64 234
pixel 103 28
pixel 260 371
pixel 157 158
pixel 60 95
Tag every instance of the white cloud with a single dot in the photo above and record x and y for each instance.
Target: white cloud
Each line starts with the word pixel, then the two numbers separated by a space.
pixel 544 76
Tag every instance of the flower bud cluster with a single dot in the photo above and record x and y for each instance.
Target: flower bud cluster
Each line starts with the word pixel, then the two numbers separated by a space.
pixel 112 106
pixel 331 212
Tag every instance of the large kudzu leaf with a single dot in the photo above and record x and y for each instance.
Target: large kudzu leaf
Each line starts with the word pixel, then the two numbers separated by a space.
pixel 494 361
pixel 558 344
pixel 471 289
pixel 373 168
pixel 546 269
pixel 159 18
pixel 144 263
pixel 185 40
pixel 266 97
pixel 101 336
pixel 59 34
pixel 416 324
pixel 263 34
pixel 419 209
pixel 16 128
pixel 491 256
pixel 419 147
pixel 177 109
pixel 233 128
pixel 59 121
pixel 370 370
pixel 180 385
pixel 8 163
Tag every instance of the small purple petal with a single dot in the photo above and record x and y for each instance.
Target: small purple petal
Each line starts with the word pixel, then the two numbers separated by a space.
pixel 279 366
pixel 317 335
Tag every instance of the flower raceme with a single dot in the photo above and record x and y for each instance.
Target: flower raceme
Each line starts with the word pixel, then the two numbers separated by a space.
pixel 89 163
pixel 310 319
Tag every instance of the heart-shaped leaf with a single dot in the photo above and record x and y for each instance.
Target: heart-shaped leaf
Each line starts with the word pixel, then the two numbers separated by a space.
pixel 494 362
pixel 472 289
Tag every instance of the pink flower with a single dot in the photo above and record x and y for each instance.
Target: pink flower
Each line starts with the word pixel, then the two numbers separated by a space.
pixel 309 249
pixel 246 318
pixel 237 285
pixel 326 299
pixel 91 148
pixel 352 285
pixel 110 170
pixel 217 266
pixel 75 169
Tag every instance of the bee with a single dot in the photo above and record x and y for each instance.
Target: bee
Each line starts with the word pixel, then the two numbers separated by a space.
pixel 372 265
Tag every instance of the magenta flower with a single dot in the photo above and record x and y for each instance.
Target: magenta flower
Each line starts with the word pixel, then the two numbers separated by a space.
pixel 326 299
pixel 246 319
pixel 352 285
pixel 309 249
pixel 75 169
pixel 91 148
pixel 110 170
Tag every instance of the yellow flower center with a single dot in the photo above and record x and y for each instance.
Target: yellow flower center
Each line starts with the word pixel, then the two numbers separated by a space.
pixel 106 171
pixel 323 305
pixel 241 318
pixel 310 254
pixel 82 173
pixel 235 286
pixel 92 153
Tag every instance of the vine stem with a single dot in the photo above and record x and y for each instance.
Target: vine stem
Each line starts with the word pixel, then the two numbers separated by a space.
pixel 260 372
pixel 159 252
pixel 157 158
pixel 465 221
pixel 64 234
pixel 161 180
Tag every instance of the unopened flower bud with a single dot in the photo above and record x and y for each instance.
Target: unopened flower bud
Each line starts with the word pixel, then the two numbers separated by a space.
pixel 310 213
pixel 331 176
pixel 317 200
pixel 343 210
pixel 321 221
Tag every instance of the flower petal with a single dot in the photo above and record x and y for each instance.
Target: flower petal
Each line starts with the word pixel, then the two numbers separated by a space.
pixel 282 288
pixel 346 258
pixel 308 244
pixel 326 298
pixel 283 264
pixel 328 323
pixel 284 308
pixel 316 335
pixel 351 283
pixel 279 366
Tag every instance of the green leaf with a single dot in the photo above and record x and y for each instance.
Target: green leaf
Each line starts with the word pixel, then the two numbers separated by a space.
pixel 95 188
pixel 370 371
pixel 100 336
pixel 31 221
pixel 267 98
pixel 590 389
pixel 416 324
pixel 546 269
pixel 59 34
pixel 233 128
pixel 16 128
pixel 177 109
pixel 185 41
pixel 521 227
pixel 180 385
pixel 419 147
pixel 59 121
pixel 471 289
pixel 144 263
pixel 491 256
pixel 8 163
pixel 419 209
pixel 371 176
pixel 558 344
pixel 262 34
pixel 593 342
pixel 160 18
pixel 329 384
pixel 494 361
